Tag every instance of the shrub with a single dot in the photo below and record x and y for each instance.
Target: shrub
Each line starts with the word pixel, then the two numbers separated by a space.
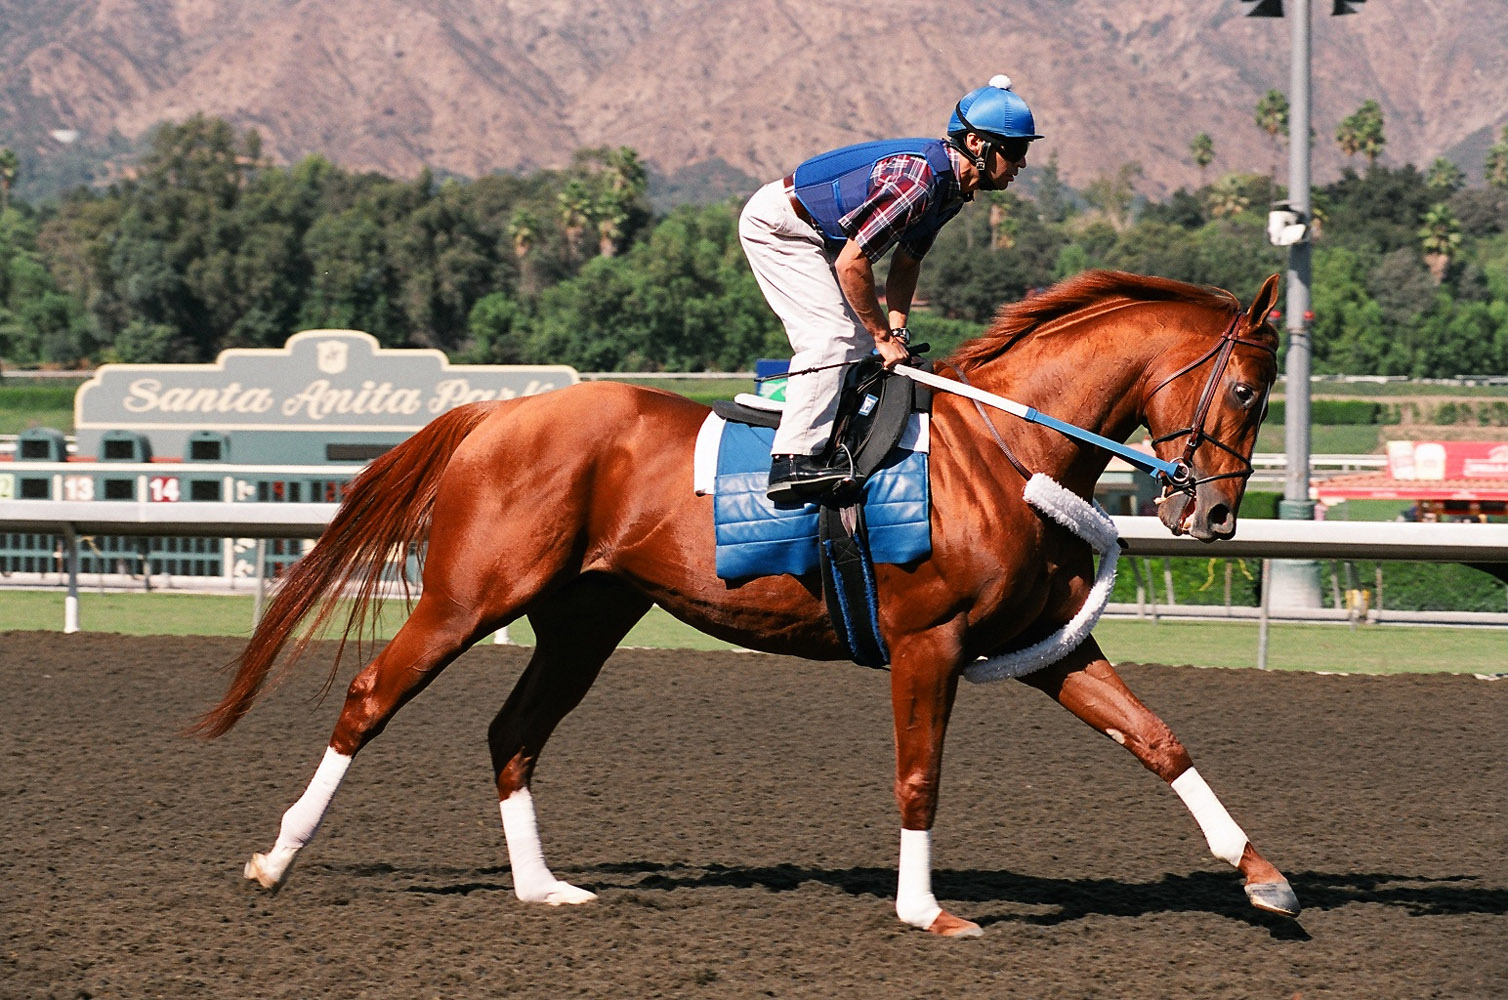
pixel 1333 412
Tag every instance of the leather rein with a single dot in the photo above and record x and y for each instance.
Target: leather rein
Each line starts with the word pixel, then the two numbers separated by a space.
pixel 1181 479
pixel 1221 352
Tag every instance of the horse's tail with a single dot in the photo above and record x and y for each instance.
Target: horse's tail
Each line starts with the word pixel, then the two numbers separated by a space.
pixel 385 512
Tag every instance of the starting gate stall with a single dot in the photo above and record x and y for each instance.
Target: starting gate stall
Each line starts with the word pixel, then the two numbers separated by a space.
pixel 258 426
pixel 1442 480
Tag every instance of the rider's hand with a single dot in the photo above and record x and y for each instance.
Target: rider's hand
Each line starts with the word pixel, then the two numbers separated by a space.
pixel 893 352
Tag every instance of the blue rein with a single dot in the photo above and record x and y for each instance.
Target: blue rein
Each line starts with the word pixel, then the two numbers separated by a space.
pixel 1174 472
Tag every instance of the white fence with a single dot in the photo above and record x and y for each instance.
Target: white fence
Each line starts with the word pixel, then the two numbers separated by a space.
pixel 1143 536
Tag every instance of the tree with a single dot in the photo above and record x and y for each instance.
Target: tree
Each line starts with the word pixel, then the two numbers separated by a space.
pixel 1497 161
pixel 38 322
pixel 9 166
pixel 496 324
pixel 1113 194
pixel 574 207
pixel 1441 238
pixel 1053 198
pixel 1380 210
pixel 523 233
pixel 1203 150
pixel 1362 132
pixel 617 207
pixel 1272 118
pixel 1444 177
pixel 1349 334
pixel 1003 208
pixel 1228 197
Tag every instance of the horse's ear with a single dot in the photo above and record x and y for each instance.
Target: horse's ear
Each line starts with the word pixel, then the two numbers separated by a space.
pixel 1262 305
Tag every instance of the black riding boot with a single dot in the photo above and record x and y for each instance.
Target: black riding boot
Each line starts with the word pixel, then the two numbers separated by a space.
pixel 801 478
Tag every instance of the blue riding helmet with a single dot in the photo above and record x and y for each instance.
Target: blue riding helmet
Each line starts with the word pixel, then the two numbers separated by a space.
pixel 995 112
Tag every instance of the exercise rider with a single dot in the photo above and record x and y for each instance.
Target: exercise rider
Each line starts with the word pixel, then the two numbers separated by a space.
pixel 813 238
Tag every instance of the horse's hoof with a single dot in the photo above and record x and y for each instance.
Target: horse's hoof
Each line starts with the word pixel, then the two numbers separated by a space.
pixel 260 871
pixel 270 870
pixel 1274 897
pixel 955 927
pixel 566 894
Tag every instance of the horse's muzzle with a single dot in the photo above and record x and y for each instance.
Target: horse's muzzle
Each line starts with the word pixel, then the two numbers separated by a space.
pixel 1203 514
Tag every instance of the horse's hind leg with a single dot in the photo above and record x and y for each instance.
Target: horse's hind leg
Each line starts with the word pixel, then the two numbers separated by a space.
pixel 1087 685
pixel 435 634
pixel 576 630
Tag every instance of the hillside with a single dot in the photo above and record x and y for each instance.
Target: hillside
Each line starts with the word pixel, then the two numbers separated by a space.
pixel 474 86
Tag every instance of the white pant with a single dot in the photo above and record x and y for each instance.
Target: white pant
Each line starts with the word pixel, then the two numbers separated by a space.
pixel 797 277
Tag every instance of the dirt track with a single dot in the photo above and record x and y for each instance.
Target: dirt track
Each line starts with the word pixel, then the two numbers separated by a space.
pixel 734 813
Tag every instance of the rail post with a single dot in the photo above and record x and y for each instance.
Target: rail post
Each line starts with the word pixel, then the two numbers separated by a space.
pixel 71 561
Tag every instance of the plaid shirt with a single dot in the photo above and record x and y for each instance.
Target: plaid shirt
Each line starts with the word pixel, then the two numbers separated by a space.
pixel 901 190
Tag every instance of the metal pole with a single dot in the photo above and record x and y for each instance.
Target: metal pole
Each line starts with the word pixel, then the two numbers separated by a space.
pixel 1262 614
pixel 71 560
pixel 1296 582
pixel 260 555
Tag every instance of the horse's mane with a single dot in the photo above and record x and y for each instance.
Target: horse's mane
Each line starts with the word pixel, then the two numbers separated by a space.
pixel 1090 288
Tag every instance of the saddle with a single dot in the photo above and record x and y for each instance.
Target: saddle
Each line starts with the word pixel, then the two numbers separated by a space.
pixel 874 409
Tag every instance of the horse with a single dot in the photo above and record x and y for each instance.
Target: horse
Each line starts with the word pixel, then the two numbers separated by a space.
pixel 576 509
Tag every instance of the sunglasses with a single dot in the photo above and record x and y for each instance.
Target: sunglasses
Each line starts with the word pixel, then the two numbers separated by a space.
pixel 1012 149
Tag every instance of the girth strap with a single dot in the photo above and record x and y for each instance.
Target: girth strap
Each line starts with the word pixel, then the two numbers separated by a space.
pixel 848 585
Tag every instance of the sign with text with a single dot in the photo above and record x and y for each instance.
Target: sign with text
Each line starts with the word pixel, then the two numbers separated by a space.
pixel 1442 460
pixel 321 380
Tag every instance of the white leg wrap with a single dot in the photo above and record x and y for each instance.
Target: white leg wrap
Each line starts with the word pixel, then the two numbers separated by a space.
pixel 1227 840
pixel 914 902
pixel 532 880
pixel 300 821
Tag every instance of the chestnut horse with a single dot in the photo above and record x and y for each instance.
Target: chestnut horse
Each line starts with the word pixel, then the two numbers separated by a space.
pixel 576 508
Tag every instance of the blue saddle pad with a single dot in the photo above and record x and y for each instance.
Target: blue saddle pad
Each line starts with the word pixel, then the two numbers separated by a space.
pixel 756 538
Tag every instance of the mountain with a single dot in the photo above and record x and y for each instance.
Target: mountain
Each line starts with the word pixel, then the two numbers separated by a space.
pixel 475 86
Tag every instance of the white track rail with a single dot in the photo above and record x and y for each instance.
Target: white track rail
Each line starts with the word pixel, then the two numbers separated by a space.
pixel 1143 536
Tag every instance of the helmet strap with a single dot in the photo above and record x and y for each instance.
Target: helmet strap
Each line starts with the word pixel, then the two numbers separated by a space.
pixel 981 160
pixel 982 163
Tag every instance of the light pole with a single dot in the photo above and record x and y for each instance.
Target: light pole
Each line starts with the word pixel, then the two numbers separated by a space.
pixel 1295 582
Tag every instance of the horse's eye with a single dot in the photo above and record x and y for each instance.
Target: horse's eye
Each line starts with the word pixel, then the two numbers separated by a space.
pixel 1244 394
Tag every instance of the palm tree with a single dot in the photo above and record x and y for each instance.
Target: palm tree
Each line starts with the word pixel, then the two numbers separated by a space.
pixel 523 231
pixel 9 166
pixel 1362 132
pixel 574 203
pixel 1203 149
pixel 609 214
pixel 1444 176
pixel 1272 118
pixel 1227 197
pixel 1441 238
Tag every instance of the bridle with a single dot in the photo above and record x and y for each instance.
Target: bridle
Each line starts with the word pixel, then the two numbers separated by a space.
pixel 1182 480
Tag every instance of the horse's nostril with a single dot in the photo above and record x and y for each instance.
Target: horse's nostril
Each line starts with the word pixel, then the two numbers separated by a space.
pixel 1220 517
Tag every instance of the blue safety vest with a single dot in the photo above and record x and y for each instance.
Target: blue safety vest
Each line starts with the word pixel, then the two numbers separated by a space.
pixel 830 185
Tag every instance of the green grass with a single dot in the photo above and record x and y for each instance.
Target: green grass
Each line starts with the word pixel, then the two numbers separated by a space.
pixel 24 406
pixel 1335 439
pixel 1367 510
pixel 217 614
pixel 704 391
pixel 12 422
pixel 1366 649
pixel 1376 390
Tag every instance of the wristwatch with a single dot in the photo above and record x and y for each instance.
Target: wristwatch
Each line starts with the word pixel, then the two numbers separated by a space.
pixel 901 333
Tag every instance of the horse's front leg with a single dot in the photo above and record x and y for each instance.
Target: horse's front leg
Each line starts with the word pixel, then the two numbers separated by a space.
pixel 923 684
pixel 1087 685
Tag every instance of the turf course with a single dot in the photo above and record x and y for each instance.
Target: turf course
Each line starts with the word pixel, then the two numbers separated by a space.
pixel 1374 649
